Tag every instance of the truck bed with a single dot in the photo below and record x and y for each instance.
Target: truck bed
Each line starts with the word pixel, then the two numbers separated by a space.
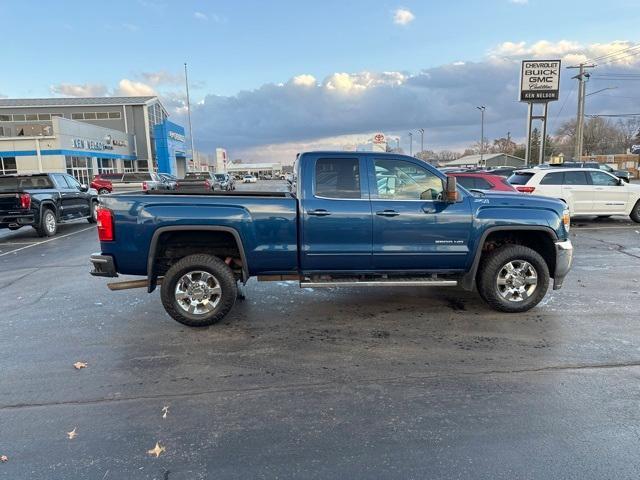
pixel 220 193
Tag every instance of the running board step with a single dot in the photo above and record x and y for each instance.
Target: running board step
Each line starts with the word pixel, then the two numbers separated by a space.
pixel 381 282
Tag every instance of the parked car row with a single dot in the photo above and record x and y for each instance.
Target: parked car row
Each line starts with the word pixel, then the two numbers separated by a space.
pixel 105 183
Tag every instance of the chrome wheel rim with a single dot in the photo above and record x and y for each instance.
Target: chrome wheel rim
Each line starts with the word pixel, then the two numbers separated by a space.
pixel 94 212
pixel 517 280
pixel 50 222
pixel 198 292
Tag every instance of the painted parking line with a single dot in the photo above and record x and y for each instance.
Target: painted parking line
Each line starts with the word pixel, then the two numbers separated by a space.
pixel 630 227
pixel 46 241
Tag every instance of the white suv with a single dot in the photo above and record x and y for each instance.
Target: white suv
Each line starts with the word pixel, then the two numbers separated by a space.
pixel 586 191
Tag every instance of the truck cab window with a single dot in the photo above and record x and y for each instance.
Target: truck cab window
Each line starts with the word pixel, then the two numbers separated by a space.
pixel 338 178
pixel 401 180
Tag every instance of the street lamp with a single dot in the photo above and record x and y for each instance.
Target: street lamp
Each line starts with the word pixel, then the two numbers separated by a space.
pixel 482 108
pixel 411 144
pixel 421 130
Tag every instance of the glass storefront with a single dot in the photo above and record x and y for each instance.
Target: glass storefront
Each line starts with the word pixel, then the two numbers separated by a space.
pixel 106 165
pixel 8 165
pixel 80 168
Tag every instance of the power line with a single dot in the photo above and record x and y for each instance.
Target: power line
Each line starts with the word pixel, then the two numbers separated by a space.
pixel 602 57
pixel 617 59
pixel 596 115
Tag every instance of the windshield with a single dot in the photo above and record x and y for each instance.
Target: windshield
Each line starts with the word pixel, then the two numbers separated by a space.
pixel 17 184
pixel 220 176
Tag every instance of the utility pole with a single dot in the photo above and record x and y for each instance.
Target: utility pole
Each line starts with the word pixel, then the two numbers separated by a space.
pixel 186 83
pixel 421 130
pixel 582 77
pixel 482 108
pixel 411 144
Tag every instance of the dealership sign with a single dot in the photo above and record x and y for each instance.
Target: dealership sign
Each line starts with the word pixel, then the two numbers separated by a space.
pixel 540 80
pixel 178 137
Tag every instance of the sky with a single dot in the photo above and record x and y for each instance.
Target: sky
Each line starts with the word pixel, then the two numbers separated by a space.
pixel 271 78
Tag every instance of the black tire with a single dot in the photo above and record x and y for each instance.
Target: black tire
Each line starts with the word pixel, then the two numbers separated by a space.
pixel 103 191
pixel 635 212
pixel 495 262
pixel 46 227
pixel 92 213
pixel 201 262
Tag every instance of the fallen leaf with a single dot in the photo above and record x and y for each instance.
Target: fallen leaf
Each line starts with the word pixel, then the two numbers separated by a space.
pixel 79 365
pixel 72 434
pixel 4 458
pixel 165 410
pixel 157 450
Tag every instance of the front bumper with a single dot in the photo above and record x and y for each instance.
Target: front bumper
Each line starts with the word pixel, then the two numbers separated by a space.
pixel 564 259
pixel 103 265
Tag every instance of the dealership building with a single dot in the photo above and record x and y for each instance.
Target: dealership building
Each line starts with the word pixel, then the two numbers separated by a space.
pixel 88 136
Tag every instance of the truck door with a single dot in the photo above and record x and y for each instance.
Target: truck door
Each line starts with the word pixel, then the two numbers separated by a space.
pixel 413 228
pixel 67 204
pixel 336 215
pixel 80 199
pixel 578 192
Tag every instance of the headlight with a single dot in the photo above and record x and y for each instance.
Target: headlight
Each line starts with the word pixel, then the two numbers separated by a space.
pixel 566 219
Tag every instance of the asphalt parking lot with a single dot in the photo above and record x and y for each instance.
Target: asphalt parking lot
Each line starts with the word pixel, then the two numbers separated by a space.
pixel 353 383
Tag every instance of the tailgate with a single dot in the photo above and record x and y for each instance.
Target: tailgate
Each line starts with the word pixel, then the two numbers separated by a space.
pixel 9 202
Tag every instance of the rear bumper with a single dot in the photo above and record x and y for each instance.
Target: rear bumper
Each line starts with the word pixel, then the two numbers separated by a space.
pixel 103 265
pixel 17 220
pixel 564 259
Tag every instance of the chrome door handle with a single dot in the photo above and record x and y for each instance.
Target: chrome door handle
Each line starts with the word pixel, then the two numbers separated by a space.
pixel 426 209
pixel 388 213
pixel 320 212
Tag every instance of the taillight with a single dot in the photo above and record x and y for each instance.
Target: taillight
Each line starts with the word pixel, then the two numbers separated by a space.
pixel 207 184
pixel 25 201
pixel 525 189
pixel 105 225
pixel 144 186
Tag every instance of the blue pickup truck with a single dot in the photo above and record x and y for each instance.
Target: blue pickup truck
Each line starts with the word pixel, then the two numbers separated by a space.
pixel 350 219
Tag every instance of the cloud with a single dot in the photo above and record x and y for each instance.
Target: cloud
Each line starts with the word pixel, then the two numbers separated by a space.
pixel 305 111
pixel 128 87
pixel 162 77
pixel 201 16
pixel 402 16
pixel 79 90
pixel 519 2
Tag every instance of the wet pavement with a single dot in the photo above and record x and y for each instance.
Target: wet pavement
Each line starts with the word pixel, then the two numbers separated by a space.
pixel 349 383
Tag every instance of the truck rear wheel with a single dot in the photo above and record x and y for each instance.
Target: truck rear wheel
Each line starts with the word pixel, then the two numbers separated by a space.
pixel 198 290
pixel 48 225
pixel 513 278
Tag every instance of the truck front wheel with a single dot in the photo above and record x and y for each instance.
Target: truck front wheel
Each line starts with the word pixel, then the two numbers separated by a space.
pixel 513 278
pixel 198 290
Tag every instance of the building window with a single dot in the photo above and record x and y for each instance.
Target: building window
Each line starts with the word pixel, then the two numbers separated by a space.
pixel 80 168
pixel 8 165
pixel 76 116
pixel 57 115
pixel 114 115
pixel 18 118
pixel 89 116
pixel 127 165
pixel 106 165
pixel 31 117
pixel 5 118
pixel 44 116
pixel 143 166
pixel 102 115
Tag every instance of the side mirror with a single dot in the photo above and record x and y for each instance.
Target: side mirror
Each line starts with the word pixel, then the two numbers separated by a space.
pixel 84 188
pixel 451 190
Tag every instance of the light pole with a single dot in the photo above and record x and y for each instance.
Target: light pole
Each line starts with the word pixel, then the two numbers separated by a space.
pixel 421 130
pixel 411 144
pixel 186 84
pixel 482 108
